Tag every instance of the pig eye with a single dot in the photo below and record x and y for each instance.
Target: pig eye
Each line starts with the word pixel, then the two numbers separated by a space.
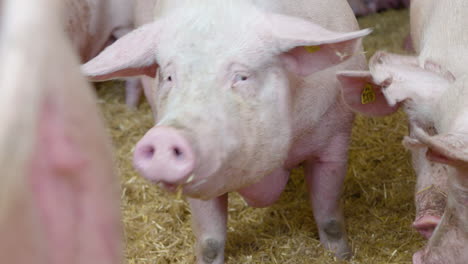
pixel 240 78
pixel 169 78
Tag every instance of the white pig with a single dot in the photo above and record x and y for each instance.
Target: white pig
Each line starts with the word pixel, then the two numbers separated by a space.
pixel 59 193
pixel 245 91
pixel 94 24
pixel 438 29
pixel 449 243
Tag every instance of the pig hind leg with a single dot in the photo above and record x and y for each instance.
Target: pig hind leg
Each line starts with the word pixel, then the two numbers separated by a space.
pixel 209 220
pixel 325 177
pixel 133 91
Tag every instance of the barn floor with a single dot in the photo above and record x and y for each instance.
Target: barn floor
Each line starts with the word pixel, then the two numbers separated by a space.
pixel 378 195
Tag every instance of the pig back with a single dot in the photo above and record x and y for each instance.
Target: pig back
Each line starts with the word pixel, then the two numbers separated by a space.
pixel 335 15
pixel 438 28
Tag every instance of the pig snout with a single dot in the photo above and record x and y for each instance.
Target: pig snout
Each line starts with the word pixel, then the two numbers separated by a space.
pixel 426 225
pixel 164 156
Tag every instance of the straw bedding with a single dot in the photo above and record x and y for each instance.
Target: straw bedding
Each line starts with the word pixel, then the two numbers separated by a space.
pixel 378 193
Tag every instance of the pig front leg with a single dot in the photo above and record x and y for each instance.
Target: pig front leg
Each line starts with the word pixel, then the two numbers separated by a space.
pixel 134 88
pixel 325 176
pixel 209 220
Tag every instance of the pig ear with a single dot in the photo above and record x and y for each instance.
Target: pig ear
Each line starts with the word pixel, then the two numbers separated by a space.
pixel 307 48
pixel 451 149
pixel 363 95
pixel 131 55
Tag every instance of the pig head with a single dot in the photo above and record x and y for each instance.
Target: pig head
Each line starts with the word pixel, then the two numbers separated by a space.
pixel 58 197
pixel 222 100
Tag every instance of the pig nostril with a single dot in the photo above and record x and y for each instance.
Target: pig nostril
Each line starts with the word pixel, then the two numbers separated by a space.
pixel 148 152
pixel 177 152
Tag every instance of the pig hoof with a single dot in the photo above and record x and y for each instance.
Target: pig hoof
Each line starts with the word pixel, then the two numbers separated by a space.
pixel 210 250
pixel 333 230
pixel 334 239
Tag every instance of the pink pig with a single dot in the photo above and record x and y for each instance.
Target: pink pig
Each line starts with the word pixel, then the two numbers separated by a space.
pixel 449 243
pixel 59 194
pixel 244 92
pixel 423 85
pixel 366 92
pixel 94 24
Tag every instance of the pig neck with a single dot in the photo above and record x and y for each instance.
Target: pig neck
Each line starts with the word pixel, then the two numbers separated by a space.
pixel 318 114
pixel 442 33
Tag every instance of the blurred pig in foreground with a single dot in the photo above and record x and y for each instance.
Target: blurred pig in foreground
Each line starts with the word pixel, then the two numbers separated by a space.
pixel 59 195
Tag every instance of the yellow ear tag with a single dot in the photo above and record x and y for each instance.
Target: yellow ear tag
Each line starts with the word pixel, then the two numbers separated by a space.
pixel 368 94
pixel 312 49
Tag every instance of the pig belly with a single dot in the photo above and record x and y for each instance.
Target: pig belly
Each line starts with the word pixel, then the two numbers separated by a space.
pixel 75 208
pixel 267 190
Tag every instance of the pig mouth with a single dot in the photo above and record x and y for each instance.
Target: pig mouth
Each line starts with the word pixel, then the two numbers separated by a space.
pixel 175 187
pixel 192 188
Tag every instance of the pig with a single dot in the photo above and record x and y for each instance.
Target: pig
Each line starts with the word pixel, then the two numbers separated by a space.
pixel 94 24
pixel 366 93
pixel 367 7
pixel 245 91
pixel 449 243
pixel 59 194
pixel 418 83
